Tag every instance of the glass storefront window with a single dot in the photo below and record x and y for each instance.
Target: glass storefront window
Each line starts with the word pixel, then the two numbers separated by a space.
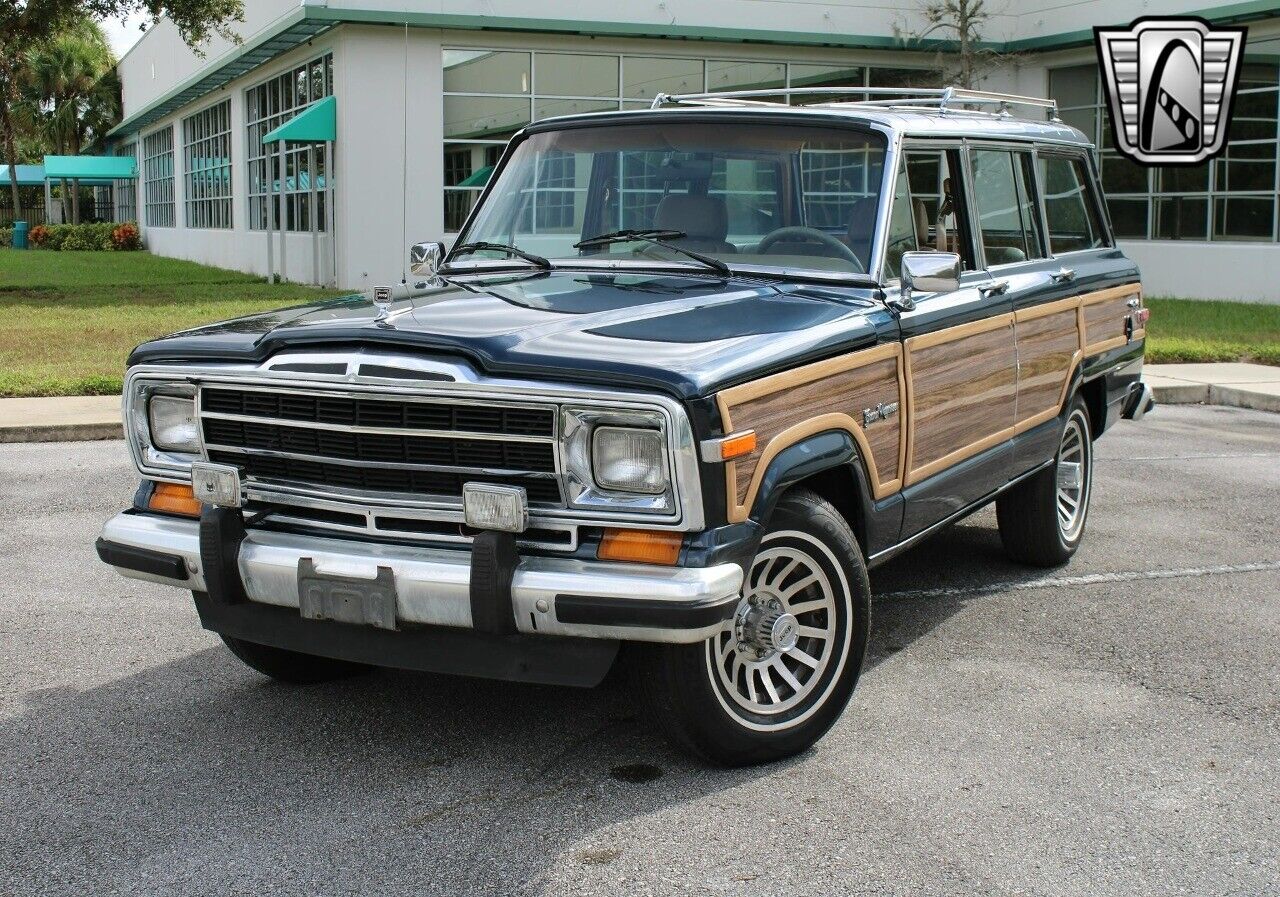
pixel 577 75
pixel 645 77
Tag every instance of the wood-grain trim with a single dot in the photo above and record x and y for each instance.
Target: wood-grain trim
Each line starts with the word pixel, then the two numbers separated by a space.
pixel 737 396
pixel 735 415
pixel 916 344
pixel 1038 342
pixel 1102 313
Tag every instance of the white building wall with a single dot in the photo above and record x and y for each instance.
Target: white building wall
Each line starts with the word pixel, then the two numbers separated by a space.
pixel 161 61
pixel 238 247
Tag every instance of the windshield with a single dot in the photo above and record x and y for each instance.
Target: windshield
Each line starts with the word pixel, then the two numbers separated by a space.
pixel 750 195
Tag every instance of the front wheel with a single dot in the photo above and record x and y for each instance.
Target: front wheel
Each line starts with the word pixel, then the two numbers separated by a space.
pixel 780 673
pixel 1042 519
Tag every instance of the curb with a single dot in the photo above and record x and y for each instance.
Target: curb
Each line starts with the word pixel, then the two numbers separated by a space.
pixel 1181 394
pixel 62 432
pixel 1206 394
pixel 1243 398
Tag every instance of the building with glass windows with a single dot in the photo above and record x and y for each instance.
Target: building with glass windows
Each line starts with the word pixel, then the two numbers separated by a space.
pixel 424 100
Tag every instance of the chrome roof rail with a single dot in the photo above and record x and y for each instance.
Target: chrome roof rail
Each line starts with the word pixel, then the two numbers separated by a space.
pixel 918 99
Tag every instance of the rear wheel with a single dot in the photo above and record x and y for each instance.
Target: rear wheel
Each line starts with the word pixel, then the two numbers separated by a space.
pixel 1042 519
pixel 290 666
pixel 776 678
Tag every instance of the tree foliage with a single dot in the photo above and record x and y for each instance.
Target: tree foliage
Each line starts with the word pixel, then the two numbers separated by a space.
pixel 43 30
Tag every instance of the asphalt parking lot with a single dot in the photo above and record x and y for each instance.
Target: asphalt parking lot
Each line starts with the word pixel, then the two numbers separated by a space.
pixel 1112 727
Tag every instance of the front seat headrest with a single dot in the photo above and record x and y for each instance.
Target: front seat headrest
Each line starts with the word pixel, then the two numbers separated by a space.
pixel 699 217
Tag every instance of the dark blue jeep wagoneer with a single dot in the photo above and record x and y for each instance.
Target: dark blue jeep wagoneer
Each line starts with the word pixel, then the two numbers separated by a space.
pixel 685 375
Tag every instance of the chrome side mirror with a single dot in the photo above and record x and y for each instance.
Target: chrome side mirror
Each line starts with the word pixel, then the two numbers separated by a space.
pixel 426 258
pixel 928 272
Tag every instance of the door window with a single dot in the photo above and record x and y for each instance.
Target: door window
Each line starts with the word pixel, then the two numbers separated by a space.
pixel 1069 208
pixel 926 215
pixel 1006 215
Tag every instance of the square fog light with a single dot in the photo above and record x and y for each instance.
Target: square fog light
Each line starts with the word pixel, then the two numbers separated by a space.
pixel 502 508
pixel 216 484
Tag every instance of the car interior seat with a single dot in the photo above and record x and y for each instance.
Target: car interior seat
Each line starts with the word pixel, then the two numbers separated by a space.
pixel 703 219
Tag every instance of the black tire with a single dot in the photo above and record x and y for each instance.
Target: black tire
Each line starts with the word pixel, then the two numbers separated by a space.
pixel 290 666
pixel 698 695
pixel 1032 526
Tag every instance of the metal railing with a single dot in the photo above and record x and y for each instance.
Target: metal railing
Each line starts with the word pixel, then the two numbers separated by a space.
pixel 943 100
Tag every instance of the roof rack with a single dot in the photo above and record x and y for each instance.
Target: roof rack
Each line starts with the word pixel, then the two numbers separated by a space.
pixel 943 99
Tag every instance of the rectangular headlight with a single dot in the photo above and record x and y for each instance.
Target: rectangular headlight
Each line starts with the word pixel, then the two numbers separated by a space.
pixel 173 423
pixel 626 459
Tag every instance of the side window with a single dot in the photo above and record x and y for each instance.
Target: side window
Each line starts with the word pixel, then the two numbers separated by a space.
pixel 927 209
pixel 1006 215
pixel 1070 211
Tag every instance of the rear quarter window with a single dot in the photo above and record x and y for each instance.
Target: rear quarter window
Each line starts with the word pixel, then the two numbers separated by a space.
pixel 1071 208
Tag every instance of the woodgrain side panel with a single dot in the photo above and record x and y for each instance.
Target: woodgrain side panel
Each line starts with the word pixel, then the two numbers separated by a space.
pixel 1047 349
pixel 1105 312
pixel 786 408
pixel 848 392
pixel 962 387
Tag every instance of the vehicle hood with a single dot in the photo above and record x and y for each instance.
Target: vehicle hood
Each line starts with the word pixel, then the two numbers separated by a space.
pixel 686 335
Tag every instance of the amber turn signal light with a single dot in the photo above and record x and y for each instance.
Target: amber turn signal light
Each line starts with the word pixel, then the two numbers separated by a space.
pixel 174 498
pixel 738 445
pixel 642 546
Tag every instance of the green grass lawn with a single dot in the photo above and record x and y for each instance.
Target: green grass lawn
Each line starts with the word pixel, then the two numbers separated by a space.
pixel 1193 330
pixel 70 318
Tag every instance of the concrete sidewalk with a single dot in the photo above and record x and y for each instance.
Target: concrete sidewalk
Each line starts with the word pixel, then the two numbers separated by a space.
pixel 68 418
pixel 60 419
pixel 1254 386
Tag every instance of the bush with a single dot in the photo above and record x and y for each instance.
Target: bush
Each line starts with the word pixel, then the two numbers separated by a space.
pixel 98 236
pixel 126 238
pixel 6 236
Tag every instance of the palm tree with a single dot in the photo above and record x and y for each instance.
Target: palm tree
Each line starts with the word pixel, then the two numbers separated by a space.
pixel 72 78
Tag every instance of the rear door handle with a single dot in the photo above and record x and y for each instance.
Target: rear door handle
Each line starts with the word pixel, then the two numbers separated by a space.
pixel 997 288
pixel 1063 275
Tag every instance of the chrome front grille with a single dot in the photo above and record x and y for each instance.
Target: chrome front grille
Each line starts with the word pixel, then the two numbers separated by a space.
pixel 375 446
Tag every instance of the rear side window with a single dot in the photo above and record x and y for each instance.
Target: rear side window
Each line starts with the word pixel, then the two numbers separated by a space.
pixel 1070 210
pixel 1005 210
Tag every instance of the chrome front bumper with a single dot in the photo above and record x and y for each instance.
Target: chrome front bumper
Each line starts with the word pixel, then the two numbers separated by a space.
pixel 603 600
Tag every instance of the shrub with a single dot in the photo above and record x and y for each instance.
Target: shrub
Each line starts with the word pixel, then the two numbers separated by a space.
pixel 78 240
pixel 94 237
pixel 6 236
pixel 125 237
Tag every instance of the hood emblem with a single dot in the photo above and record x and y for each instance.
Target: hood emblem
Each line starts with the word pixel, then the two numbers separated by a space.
pixel 382 299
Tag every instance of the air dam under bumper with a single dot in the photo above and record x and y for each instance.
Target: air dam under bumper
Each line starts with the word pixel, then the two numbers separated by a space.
pixel 549 596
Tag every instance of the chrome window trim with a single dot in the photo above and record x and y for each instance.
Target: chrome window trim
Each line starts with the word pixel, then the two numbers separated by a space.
pixel 467 385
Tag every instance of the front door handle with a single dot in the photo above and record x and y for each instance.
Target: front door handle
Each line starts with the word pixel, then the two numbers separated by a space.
pixel 997 288
pixel 1063 275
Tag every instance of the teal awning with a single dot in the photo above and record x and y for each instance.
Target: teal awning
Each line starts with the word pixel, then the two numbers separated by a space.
pixel 477 178
pixel 28 175
pixel 316 124
pixel 100 168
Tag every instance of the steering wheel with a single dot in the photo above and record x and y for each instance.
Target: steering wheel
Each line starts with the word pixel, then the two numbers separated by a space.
pixel 812 235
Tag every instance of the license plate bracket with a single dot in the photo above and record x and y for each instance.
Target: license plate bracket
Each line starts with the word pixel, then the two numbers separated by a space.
pixel 347 599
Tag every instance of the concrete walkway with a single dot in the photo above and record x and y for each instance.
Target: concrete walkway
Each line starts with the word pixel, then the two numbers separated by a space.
pixel 1254 386
pixel 60 419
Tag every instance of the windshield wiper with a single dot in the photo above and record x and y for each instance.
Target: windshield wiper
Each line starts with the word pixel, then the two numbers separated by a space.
pixel 517 252
pixel 658 238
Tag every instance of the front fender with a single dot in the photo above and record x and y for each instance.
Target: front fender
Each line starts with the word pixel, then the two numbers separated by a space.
pixel 810 456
